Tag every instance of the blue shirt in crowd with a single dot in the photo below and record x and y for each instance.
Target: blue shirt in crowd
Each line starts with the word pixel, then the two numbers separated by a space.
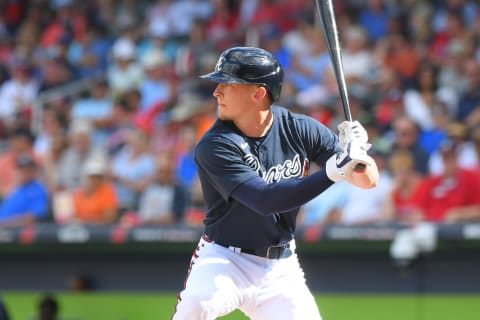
pixel 31 198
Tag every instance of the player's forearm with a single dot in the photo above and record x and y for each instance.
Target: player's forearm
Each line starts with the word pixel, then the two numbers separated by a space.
pixel 284 196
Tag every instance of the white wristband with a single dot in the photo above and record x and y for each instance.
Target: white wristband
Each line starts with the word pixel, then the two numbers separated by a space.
pixel 332 171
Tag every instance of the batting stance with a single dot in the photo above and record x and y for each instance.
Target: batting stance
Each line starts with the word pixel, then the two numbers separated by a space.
pixel 253 166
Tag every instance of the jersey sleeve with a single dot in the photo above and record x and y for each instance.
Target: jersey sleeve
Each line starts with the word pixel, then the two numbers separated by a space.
pixel 221 162
pixel 319 141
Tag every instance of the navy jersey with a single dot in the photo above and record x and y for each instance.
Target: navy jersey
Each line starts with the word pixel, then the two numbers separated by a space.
pixel 226 158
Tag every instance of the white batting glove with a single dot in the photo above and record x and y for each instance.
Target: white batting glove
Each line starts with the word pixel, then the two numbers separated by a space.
pixel 345 163
pixel 353 139
pixel 351 132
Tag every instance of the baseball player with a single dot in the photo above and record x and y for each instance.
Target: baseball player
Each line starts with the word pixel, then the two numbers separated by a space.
pixel 253 167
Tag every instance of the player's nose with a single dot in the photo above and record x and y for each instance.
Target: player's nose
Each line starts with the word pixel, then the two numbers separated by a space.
pixel 217 92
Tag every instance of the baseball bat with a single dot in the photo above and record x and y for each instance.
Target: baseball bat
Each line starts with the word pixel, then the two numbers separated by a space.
pixel 330 30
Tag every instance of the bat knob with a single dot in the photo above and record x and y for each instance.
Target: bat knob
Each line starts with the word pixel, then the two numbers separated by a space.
pixel 360 167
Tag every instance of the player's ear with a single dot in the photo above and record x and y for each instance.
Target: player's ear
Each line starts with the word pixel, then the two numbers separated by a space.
pixel 260 93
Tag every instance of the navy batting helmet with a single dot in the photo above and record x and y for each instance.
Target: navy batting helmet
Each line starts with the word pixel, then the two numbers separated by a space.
pixel 249 65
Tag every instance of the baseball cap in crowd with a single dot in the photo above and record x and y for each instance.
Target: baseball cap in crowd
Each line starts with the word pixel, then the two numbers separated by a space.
pixel 80 126
pixel 124 48
pixel 25 161
pixel 154 58
pixel 95 166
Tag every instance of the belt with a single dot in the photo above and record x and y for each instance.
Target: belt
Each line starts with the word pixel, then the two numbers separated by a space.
pixel 272 252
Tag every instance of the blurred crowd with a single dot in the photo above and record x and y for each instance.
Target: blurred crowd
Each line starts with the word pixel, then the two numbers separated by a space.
pixel 101 104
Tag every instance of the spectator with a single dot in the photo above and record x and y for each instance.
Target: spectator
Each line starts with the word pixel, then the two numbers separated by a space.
pixel 95 201
pixel 183 13
pixel 18 94
pixel 48 308
pixel 326 208
pixel 421 100
pixel 388 98
pixel 452 73
pixel 453 195
pixel 272 41
pixel 89 53
pixel 309 69
pixel 297 40
pixel 467 157
pixel 366 206
pixel 406 137
pixel 374 17
pixel 29 202
pixel 224 24
pixel 400 55
pixel 186 168
pixel 124 72
pixel 469 100
pixel 126 14
pixel 97 109
pixel 430 140
pixel 467 9
pixel 55 72
pixel 158 20
pixel 378 140
pixel 192 54
pixel 123 121
pixel 69 23
pixel 80 148
pixel 158 36
pixel 51 162
pixel 20 142
pixel 164 201
pixel 157 88
pixel 133 168
pixel 455 30
pixel 357 57
pixel 400 205
pixel 54 125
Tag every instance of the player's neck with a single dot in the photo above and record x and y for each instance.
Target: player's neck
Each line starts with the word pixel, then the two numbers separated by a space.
pixel 257 126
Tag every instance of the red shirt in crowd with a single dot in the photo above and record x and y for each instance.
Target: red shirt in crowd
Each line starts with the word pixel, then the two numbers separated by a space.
pixel 437 194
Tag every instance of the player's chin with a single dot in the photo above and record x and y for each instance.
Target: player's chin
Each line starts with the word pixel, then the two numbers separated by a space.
pixel 222 115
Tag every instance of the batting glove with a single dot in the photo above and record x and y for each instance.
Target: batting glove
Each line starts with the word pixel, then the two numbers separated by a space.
pixel 351 132
pixel 353 140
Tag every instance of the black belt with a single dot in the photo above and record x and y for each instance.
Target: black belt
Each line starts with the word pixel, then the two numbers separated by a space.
pixel 272 252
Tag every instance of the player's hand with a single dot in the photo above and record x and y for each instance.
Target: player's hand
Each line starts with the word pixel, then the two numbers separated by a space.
pixel 344 164
pixel 353 139
pixel 352 132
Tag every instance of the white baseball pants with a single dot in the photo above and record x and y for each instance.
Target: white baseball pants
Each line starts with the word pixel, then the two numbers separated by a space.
pixel 220 280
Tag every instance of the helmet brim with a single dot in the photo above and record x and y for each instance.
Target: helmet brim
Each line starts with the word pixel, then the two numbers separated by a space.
pixel 222 77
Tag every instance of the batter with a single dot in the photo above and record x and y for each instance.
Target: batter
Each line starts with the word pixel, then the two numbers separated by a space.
pixel 253 166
